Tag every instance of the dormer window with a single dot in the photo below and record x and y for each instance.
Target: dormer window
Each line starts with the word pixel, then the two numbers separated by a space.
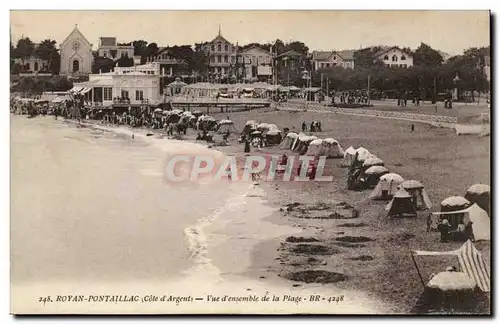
pixel 386 58
pixel 334 58
pixel 226 48
pixel 394 58
pixel 213 47
pixel 219 47
pixel 403 57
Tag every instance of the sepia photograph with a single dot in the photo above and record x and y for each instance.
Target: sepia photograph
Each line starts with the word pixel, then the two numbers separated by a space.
pixel 244 162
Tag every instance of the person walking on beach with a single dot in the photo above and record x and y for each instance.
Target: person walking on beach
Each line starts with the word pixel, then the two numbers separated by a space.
pixel 247 146
pixel 304 126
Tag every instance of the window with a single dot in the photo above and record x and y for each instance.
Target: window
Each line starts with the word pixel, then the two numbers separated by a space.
pixel 327 65
pixel 403 57
pixel 261 60
pixel 224 70
pixel 334 58
pixel 218 47
pixel 27 66
pixel 105 54
pixel 404 65
pixel 108 93
pixel 386 58
pixel 139 95
pixel 36 66
pixel 226 48
pixel 76 66
pixel 226 59
pixel 219 58
pixel 233 59
pixel 213 47
pixel 394 58
pixel 122 55
pixel 125 94
pixel 254 59
pixel 212 59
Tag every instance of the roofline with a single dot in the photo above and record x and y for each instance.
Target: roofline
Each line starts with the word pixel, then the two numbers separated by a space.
pixel 78 30
pixel 391 48
pixel 257 47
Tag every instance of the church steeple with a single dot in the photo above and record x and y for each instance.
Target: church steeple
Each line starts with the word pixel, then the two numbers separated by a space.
pixel 219 31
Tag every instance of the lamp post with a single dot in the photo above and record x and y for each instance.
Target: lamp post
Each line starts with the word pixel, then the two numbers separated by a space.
pixel 456 81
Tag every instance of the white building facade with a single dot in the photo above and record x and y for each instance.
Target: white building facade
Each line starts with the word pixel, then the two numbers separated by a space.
pixel 331 59
pixel 395 57
pixel 131 87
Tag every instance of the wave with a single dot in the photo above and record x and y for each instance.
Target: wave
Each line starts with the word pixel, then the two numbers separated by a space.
pixel 197 236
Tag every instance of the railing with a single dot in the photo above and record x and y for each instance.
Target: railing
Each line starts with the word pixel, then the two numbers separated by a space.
pixel 369 112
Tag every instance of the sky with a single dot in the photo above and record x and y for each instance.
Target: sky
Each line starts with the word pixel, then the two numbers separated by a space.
pixel 448 31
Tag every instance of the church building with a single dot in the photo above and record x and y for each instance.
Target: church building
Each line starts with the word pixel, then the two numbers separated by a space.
pixel 76 54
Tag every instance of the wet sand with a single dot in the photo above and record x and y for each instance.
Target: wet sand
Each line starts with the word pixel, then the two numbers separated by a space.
pixel 219 251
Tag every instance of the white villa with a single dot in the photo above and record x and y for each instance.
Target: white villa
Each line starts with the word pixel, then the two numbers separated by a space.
pixel 394 57
pixel 132 85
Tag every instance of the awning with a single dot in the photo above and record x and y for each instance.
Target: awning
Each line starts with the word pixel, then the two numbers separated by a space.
pixel 76 89
pixel 85 90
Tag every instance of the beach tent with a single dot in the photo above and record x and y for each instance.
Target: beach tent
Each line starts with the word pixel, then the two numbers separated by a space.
pixel 470 260
pixel 332 148
pixel 288 141
pixel 263 127
pixel 349 155
pixel 302 143
pixel 314 147
pixel 250 127
pixel 273 136
pixel 401 205
pixel 363 154
pixel 372 161
pixel 373 174
pixel 417 191
pixel 475 214
pixel 225 126
pixel 387 186
pixel 479 194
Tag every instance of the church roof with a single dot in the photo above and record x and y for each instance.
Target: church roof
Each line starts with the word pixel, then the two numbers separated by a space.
pixel 78 33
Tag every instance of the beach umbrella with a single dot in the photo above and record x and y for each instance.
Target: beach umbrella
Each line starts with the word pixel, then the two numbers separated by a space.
pixel 479 194
pixel 454 203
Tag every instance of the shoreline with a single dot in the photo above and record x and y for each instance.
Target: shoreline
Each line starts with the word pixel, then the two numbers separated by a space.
pixel 379 268
pixel 256 256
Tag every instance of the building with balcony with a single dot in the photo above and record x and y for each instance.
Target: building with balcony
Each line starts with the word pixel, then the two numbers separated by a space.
pixel 170 66
pixel 256 63
pixel 117 87
pixel 108 47
pixel 221 57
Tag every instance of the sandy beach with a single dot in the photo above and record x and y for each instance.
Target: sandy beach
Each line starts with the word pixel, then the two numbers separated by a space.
pixel 258 238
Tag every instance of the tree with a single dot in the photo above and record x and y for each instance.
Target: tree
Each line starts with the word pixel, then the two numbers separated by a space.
pixel 365 58
pixel 139 46
pixel 298 47
pixel 102 64
pixel 426 55
pixel 199 62
pixel 47 51
pixel 24 49
pixel 125 61
pixel 150 50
